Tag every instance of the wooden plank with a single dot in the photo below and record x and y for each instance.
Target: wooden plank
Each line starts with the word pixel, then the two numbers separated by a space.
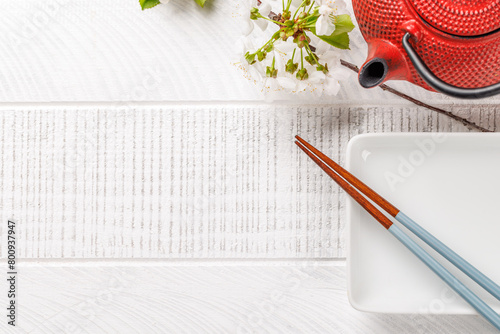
pixel 191 181
pixel 204 297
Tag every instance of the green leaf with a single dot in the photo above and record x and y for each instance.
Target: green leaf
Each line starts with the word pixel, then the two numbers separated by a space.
pixel 343 23
pixel 145 4
pixel 201 2
pixel 339 38
pixel 340 41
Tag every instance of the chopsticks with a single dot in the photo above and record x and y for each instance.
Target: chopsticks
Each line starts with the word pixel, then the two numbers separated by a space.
pixel 355 188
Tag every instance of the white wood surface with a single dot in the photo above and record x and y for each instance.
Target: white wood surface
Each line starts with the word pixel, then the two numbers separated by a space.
pixel 206 297
pixel 204 181
pixel 156 191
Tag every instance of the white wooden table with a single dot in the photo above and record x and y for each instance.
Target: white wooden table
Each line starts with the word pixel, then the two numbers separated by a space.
pixel 156 190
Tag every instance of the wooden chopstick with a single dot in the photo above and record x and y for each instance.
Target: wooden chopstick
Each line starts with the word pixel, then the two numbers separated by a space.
pixel 341 176
pixel 379 200
pixel 372 210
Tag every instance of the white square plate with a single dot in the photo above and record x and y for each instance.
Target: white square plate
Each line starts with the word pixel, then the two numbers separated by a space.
pixel 450 185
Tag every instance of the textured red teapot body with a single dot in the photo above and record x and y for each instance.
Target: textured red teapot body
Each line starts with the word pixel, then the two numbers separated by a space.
pixel 452 46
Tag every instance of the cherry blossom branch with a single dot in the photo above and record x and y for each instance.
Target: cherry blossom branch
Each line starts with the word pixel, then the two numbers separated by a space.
pixel 384 87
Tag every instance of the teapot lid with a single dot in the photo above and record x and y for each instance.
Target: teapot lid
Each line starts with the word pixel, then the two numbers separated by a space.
pixel 460 17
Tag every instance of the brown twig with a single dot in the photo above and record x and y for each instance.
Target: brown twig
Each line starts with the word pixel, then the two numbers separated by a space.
pixel 384 87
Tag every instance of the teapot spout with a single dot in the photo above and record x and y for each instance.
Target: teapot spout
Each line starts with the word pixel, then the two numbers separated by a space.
pixel 385 62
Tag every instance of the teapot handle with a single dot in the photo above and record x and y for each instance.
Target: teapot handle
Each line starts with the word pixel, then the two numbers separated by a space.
pixel 441 86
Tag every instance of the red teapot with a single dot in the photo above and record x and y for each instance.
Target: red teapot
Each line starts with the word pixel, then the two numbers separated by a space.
pixel 449 46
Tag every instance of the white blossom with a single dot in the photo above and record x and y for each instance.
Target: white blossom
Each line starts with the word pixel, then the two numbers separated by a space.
pixel 325 25
pixel 249 24
pixel 318 83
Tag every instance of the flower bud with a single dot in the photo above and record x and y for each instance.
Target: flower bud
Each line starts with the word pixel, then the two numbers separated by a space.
pixel 250 57
pixel 322 68
pixel 254 14
pixel 309 59
pixel 302 74
pixel 271 72
pixel 291 67
pixel 261 55
pixel 312 59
